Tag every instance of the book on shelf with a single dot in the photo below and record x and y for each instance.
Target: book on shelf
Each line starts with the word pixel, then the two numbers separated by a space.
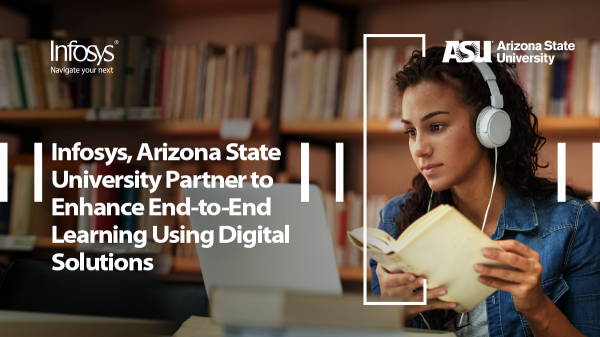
pixel 347 215
pixel 51 81
pixel 559 85
pixel 164 76
pixel 107 196
pixel 261 82
pixel 85 193
pixel 10 95
pixel 22 200
pixel 191 83
pixel 208 52
pixel 185 249
pixel 579 77
pixel 41 212
pixel 321 167
pixel 97 79
pixel 570 86
pixel 299 51
pixel 130 195
pixel 593 95
pixel 114 80
pixel 82 82
pixel 429 247
pixel 137 66
pixel 5 206
pixel 66 85
pixel 37 73
pixel 27 76
pixel 163 223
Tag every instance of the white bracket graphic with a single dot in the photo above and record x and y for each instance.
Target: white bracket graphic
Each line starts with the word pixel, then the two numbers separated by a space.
pixel 365 257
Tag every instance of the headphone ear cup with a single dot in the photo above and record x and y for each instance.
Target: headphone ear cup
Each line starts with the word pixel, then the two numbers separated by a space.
pixel 493 127
pixel 478 125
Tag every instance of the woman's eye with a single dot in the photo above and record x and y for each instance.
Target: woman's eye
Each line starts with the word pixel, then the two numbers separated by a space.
pixel 437 127
pixel 411 133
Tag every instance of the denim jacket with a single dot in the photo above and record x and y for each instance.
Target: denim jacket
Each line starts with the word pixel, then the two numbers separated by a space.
pixel 567 237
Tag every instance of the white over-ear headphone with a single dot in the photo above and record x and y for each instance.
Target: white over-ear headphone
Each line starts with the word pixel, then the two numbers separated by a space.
pixel 493 123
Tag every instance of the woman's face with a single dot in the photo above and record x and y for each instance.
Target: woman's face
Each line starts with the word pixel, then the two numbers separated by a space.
pixel 441 142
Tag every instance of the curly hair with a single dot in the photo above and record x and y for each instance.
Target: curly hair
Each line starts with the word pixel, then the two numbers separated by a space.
pixel 518 159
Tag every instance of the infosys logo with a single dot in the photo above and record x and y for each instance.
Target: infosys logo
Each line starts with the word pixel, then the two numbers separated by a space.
pixel 458 50
pixel 92 53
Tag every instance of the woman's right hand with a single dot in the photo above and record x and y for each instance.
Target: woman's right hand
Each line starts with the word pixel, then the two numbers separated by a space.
pixel 403 284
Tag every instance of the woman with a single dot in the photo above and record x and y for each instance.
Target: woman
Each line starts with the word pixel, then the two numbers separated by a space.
pixel 554 289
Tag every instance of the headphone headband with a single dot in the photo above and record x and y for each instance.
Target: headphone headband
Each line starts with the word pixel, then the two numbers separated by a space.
pixel 489 77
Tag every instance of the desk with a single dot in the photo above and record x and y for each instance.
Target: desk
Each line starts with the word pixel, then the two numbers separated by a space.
pixel 199 327
pixel 206 327
pixel 32 324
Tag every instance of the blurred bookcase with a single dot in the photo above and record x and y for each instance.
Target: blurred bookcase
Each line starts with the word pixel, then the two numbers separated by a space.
pixel 352 19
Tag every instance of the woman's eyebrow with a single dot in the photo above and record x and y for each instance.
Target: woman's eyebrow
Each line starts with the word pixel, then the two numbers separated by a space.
pixel 426 117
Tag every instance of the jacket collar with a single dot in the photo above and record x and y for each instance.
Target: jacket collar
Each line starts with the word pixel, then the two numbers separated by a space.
pixel 518 214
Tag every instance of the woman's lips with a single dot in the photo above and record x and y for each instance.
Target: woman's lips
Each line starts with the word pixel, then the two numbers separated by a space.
pixel 431 170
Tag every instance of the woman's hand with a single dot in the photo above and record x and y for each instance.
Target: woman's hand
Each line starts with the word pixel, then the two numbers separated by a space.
pixel 524 283
pixel 403 284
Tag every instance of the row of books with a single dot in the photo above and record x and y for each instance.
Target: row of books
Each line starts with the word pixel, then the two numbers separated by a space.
pixel 320 82
pixel 568 87
pixel 208 82
pixel 343 217
pixel 211 82
pixel 41 73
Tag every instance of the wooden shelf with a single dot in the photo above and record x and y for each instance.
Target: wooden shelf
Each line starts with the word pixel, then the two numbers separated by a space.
pixel 341 129
pixel 181 8
pixel 46 242
pixel 186 265
pixel 353 274
pixel 45 118
pixel 574 127
pixel 335 129
pixel 204 129
pixel 43 114
pixel 570 126
pixel 192 266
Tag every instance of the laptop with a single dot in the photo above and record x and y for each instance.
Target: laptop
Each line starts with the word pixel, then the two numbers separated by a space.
pixel 305 263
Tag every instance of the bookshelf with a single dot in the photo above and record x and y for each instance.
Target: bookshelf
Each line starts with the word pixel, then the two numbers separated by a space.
pixel 372 19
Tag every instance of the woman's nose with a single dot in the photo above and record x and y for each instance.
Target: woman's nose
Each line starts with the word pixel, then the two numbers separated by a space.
pixel 421 147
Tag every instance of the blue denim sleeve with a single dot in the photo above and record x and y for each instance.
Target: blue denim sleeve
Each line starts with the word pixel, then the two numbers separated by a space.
pixel 375 290
pixel 581 302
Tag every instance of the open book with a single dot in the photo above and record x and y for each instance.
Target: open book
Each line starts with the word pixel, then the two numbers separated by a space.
pixel 442 245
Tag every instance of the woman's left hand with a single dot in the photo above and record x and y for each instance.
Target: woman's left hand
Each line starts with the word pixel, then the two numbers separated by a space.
pixel 525 282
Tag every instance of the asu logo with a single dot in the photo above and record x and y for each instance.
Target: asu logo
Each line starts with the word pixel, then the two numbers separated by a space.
pixel 458 50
